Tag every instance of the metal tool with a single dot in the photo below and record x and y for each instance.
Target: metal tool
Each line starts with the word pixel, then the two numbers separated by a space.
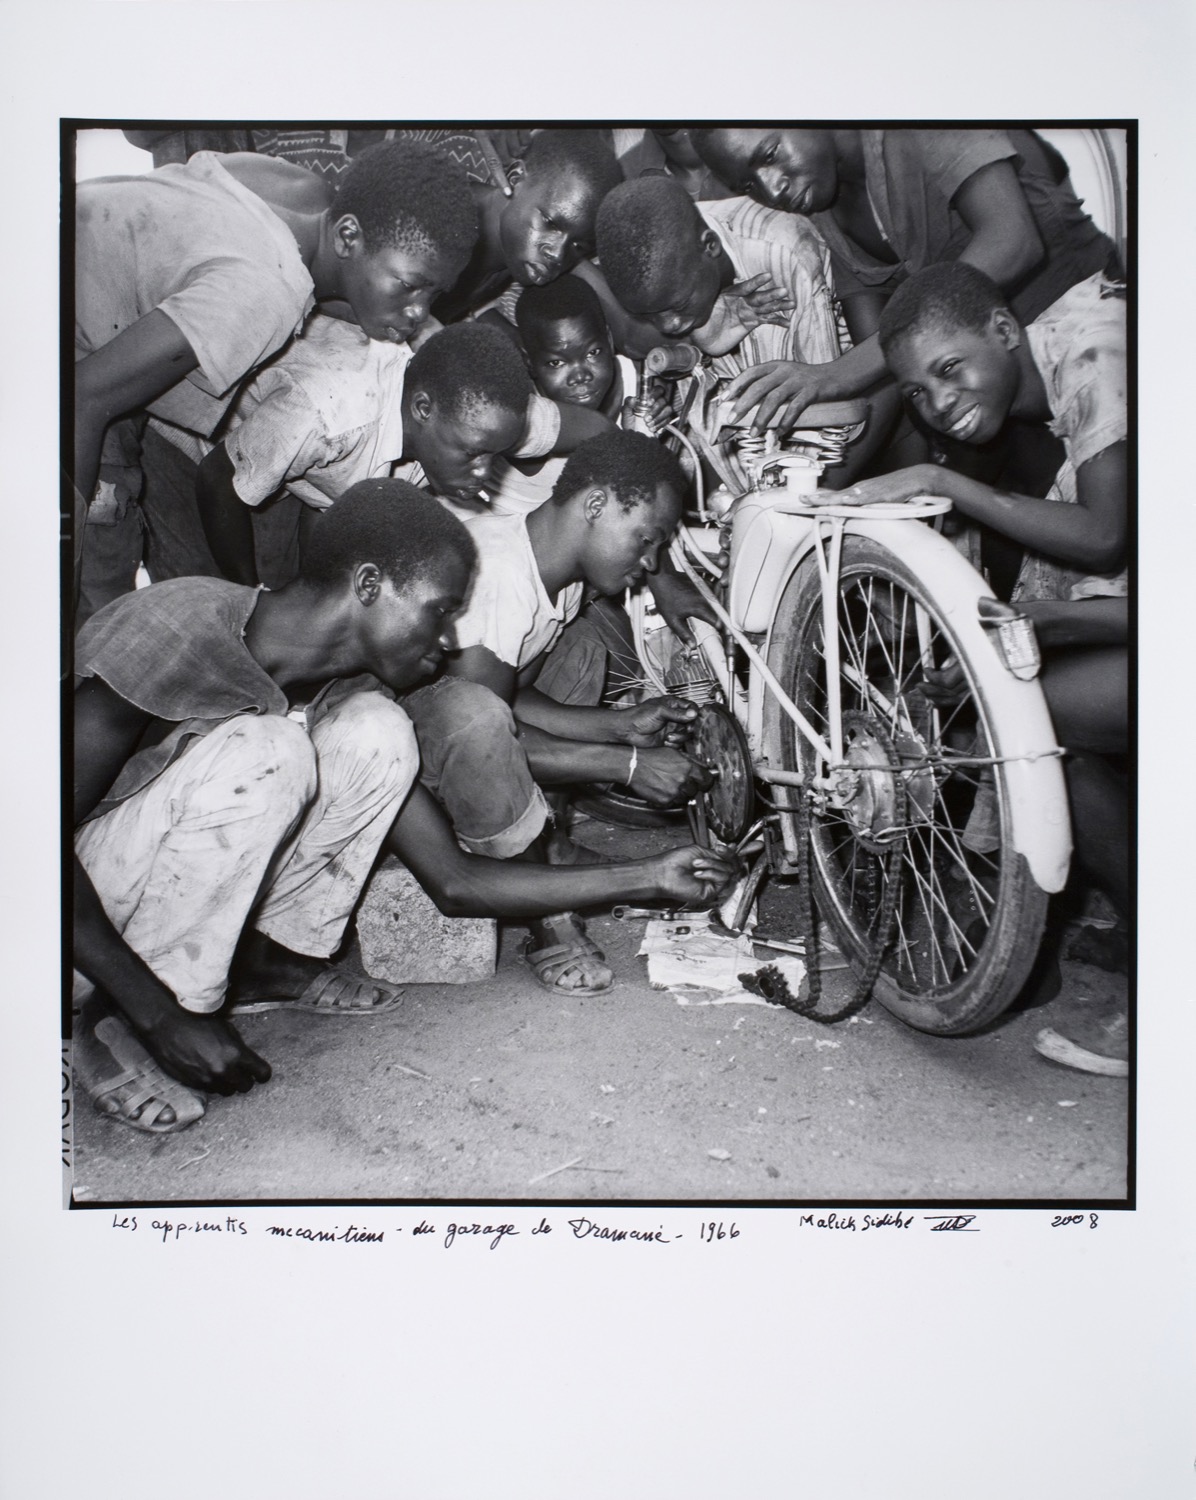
pixel 630 913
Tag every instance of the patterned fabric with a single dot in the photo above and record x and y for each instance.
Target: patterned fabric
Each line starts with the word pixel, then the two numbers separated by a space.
pixel 320 151
pixel 791 250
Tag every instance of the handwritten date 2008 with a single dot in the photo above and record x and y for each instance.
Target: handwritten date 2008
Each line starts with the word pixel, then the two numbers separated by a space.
pixel 1061 1221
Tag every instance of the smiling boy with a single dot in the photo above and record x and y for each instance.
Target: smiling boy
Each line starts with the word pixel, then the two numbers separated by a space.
pixel 967 366
pixel 891 202
pixel 188 278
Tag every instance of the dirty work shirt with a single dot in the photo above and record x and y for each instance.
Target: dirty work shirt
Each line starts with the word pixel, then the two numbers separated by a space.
pixel 272 813
pixel 191 241
pixel 911 177
pixel 793 253
pixel 176 650
pixel 1078 346
pixel 329 412
pixel 508 610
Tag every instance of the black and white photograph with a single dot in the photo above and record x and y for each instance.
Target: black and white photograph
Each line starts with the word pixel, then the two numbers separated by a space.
pixel 598 893
pixel 601 662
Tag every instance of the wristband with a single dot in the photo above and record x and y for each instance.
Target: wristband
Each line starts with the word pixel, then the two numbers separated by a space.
pixel 635 760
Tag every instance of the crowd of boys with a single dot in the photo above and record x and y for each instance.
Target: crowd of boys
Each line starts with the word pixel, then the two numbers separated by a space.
pixel 361 410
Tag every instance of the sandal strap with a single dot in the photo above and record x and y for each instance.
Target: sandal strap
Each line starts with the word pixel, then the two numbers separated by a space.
pixel 145 1084
pixel 339 992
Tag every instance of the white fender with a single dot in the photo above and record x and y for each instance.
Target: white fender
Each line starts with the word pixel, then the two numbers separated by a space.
pixel 1021 724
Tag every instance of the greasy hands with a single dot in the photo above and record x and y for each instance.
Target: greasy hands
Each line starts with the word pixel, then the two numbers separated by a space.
pixel 204 1052
pixel 657 721
pixel 677 599
pixel 664 776
pixel 780 390
pixel 694 876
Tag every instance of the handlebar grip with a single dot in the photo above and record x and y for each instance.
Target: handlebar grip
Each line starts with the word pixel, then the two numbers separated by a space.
pixel 671 359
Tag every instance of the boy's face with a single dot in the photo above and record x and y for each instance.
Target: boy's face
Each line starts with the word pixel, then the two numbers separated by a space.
pixel 687 295
pixel 458 448
pixel 410 627
pixel 571 360
pixel 546 226
pixel 391 290
pixel 961 382
pixel 621 545
pixel 792 170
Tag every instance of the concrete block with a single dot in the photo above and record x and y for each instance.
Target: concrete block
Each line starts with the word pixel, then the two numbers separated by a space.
pixel 406 940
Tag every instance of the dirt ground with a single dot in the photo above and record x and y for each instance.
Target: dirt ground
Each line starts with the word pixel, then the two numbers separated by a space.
pixel 500 1091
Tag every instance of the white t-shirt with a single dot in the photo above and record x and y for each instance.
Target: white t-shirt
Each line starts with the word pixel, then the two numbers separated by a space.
pixel 193 242
pixel 508 610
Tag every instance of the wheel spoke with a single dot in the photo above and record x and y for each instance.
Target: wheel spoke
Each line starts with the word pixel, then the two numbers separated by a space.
pixel 953 941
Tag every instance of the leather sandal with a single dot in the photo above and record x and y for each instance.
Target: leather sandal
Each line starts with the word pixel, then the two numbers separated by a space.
pixel 332 992
pixel 550 965
pixel 141 1093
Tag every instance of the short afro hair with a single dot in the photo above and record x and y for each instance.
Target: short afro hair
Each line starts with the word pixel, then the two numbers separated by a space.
pixel 407 193
pixel 388 522
pixel 646 228
pixel 566 297
pixel 946 296
pixel 630 464
pixel 586 156
pixel 468 365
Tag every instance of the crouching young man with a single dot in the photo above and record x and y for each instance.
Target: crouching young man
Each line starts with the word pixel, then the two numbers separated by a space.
pixel 240 762
pixel 503 721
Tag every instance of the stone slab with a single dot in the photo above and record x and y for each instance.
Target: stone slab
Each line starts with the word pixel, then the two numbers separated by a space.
pixel 405 939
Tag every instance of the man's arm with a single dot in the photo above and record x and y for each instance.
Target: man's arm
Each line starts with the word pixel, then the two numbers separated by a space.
pixel 198 1050
pixel 468 885
pixel 1005 242
pixel 567 746
pixel 1090 534
pixel 1061 623
pixel 227 522
pixel 578 423
pixel 1005 245
pixel 126 374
